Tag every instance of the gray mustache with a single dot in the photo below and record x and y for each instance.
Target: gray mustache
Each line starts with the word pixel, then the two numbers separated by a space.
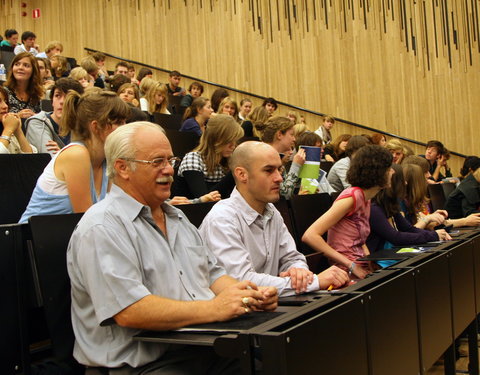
pixel 166 179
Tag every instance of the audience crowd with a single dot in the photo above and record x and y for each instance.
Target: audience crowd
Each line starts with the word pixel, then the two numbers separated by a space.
pixel 124 256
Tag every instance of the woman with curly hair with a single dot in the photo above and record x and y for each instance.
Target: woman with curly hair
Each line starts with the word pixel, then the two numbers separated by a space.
pixel 206 168
pixel 24 85
pixel 347 221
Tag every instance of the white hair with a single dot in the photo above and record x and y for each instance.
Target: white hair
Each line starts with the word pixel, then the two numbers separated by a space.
pixel 119 144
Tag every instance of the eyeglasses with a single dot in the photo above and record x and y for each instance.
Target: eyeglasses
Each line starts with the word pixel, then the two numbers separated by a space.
pixel 157 162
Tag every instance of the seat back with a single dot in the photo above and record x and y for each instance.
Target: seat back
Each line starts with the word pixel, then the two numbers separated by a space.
pixel 437 197
pixel 305 210
pixel 6 58
pixel 181 142
pixel 173 122
pixel 174 104
pixel 448 188
pixel 46 105
pixel 326 165
pixel 196 212
pixel 282 206
pixel 50 237
pixel 20 176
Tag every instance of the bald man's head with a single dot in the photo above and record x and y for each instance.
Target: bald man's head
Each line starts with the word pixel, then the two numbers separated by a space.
pixel 246 153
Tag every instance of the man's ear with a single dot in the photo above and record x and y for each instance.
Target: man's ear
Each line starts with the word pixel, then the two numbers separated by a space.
pixel 278 135
pixel 122 169
pixel 241 174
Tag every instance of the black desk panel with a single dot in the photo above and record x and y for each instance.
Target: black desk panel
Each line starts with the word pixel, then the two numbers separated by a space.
pixel 331 343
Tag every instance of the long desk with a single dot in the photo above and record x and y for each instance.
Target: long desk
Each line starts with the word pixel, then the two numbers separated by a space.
pixel 399 320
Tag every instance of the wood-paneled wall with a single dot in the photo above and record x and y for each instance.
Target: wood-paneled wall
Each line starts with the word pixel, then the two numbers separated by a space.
pixel 410 67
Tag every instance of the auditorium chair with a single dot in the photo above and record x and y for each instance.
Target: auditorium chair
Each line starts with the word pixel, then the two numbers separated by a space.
pixel 173 122
pixel 181 142
pixel 196 212
pixel 437 197
pixel 50 237
pixel 20 174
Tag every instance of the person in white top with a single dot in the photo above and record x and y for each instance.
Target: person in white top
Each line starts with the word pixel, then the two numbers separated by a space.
pixel 247 233
pixel 28 44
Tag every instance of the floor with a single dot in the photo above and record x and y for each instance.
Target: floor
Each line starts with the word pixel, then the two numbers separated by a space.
pixel 462 362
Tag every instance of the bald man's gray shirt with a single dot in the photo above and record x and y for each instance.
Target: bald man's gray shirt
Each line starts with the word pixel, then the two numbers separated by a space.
pixel 252 246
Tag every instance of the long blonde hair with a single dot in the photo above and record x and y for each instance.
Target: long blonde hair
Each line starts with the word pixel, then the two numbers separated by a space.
pixel 161 89
pixel 220 131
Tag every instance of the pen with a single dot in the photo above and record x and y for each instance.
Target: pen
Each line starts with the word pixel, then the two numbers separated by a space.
pixel 330 287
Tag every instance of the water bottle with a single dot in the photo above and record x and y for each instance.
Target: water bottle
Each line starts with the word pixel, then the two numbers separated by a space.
pixel 3 73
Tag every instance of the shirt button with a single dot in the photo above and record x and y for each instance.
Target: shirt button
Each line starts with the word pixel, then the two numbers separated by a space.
pixel 181 273
pixel 193 295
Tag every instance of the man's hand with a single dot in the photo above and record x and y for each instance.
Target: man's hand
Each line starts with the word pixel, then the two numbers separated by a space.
pixel 300 278
pixel 236 300
pixel 179 200
pixel 270 295
pixel 333 276
pixel 472 220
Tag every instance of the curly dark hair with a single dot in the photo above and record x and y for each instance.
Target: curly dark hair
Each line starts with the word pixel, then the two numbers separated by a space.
pixel 369 167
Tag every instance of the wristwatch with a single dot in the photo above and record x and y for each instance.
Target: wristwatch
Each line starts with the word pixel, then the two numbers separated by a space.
pixel 7 138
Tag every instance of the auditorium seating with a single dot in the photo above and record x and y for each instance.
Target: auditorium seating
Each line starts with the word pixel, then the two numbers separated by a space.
pixel 438 194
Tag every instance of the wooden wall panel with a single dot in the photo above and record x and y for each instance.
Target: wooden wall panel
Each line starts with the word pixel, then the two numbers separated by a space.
pixel 409 67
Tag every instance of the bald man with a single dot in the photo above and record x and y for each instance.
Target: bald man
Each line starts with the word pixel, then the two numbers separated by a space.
pixel 247 233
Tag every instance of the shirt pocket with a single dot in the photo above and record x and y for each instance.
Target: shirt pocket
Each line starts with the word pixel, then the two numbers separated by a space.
pixel 198 260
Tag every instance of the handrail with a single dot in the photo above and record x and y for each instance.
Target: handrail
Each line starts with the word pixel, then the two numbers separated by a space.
pixel 279 102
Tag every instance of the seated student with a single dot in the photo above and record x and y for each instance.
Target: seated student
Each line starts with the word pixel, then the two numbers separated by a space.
pixel 75 177
pixel 206 168
pixel 173 85
pixel 228 106
pixel 144 73
pixel 45 70
pixel 81 76
pixel 11 39
pixel 347 221
pixel 337 176
pixel 131 74
pixel 135 262
pixel 12 139
pixel 157 98
pixel 217 98
pixel 245 109
pixel 324 130
pixel 59 66
pixel 335 150
pixel 247 233
pixel 388 227
pixel 128 92
pixel 117 81
pixel 270 105
pixel 467 167
pixel 313 139
pixel 465 199
pixel 42 130
pixel 378 139
pixel 52 48
pixel 299 129
pixel 397 150
pixel 434 153
pixel 24 86
pixel 195 90
pixel 88 63
pixel 99 59
pixel 292 116
pixel 254 125
pixel 28 44
pixel 278 133
pixel 196 116
pixel 121 68
pixel 415 206
pixel 146 84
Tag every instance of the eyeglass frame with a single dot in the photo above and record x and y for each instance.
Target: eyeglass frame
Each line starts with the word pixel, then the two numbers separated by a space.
pixel 154 163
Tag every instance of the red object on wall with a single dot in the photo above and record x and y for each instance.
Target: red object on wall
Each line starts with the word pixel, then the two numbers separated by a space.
pixel 36 13
pixel 24 14
pixel 23 5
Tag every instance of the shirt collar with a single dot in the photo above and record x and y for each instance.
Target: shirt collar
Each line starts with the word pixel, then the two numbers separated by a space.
pixel 134 208
pixel 249 214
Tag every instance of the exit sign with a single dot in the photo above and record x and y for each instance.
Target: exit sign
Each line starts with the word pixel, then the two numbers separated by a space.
pixel 36 13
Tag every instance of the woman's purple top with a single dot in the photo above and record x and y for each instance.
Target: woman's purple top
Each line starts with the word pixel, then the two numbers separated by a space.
pixel 404 234
pixel 351 232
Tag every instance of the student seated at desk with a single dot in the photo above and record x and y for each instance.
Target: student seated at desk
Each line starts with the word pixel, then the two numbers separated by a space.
pixel 247 233
pixel 135 263
pixel 347 221
pixel 388 227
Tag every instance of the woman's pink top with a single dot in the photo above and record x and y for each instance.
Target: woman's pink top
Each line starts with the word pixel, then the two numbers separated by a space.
pixel 351 232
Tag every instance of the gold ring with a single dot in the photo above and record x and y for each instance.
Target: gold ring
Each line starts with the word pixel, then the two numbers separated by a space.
pixel 245 301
